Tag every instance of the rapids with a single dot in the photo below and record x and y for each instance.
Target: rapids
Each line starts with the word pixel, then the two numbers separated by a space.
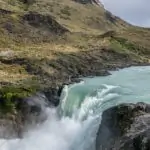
pixel 74 124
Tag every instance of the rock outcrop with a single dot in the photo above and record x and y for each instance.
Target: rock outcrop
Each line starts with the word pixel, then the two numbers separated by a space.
pixel 31 111
pixel 125 127
pixel 88 1
pixel 45 21
pixel 27 1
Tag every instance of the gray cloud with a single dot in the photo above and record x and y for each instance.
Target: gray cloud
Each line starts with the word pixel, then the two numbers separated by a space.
pixel 136 12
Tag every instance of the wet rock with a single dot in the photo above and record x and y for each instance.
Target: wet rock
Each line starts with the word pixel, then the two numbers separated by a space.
pixel 31 110
pixel 53 95
pixel 125 127
pixel 8 128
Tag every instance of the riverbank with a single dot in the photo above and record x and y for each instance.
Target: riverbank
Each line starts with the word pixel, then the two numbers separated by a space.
pixel 18 111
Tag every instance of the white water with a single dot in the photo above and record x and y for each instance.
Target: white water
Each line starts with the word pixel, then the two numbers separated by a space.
pixel 73 125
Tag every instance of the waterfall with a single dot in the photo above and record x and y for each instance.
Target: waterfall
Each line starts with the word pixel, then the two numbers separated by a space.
pixel 74 124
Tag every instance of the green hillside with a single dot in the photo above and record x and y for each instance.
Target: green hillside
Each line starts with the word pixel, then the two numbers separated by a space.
pixel 45 42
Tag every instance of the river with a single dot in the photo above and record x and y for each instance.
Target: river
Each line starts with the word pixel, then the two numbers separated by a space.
pixel 74 124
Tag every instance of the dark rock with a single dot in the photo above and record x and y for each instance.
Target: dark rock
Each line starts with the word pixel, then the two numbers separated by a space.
pixel 5 12
pixel 111 18
pixel 9 27
pixel 47 21
pixel 37 102
pixel 52 95
pixel 87 1
pixel 28 1
pixel 125 127
pixel 33 108
pixel 110 33
pixel 8 128
pixel 32 111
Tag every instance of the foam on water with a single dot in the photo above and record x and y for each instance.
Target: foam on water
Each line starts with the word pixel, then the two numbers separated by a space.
pixel 73 125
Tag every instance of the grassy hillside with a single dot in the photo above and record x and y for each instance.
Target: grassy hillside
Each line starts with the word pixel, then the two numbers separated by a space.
pixel 44 42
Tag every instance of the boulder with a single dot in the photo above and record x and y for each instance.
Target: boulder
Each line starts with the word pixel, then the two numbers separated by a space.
pixel 125 127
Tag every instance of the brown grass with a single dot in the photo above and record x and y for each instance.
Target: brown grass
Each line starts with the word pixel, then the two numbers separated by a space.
pixel 86 24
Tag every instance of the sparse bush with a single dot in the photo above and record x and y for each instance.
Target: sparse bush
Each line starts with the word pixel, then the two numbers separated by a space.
pixel 10 96
pixel 28 1
pixel 66 11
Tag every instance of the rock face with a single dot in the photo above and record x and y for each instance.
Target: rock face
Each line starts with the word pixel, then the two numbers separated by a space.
pixel 32 111
pixel 28 1
pixel 125 127
pixel 46 21
pixel 89 1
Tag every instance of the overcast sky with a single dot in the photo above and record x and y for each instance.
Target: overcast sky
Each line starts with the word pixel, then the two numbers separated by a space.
pixel 134 11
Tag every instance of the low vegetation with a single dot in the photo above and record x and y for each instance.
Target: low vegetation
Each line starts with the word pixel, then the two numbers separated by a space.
pixel 39 39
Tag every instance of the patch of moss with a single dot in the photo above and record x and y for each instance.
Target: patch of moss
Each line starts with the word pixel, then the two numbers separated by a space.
pixel 125 44
pixel 11 95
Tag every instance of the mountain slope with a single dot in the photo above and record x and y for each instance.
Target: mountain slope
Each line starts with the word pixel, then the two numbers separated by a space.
pixel 44 43
pixel 69 14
